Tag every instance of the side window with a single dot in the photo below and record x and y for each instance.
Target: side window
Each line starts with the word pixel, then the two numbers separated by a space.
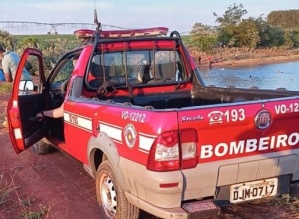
pixel 65 71
pixel 110 67
pixel 101 70
pixel 31 72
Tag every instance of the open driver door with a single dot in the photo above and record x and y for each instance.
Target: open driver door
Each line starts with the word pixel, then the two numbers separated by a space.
pixel 27 99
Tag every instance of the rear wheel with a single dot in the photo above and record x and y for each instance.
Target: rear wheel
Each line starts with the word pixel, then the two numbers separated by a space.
pixel 111 197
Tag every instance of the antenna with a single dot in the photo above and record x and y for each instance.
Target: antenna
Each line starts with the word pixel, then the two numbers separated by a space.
pixel 98 28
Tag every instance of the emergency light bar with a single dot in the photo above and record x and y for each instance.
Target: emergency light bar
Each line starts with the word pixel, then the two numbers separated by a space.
pixel 155 31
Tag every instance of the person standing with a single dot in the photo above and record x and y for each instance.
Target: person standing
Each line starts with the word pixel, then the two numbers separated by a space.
pixel 209 60
pixel 2 78
pixel 10 61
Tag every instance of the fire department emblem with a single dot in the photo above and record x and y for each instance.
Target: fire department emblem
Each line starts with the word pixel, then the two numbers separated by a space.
pixel 130 135
pixel 263 119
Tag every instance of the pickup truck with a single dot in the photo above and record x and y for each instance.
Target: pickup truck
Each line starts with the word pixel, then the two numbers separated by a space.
pixel 144 125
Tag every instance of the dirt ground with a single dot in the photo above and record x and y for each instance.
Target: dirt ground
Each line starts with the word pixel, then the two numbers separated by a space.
pixel 55 186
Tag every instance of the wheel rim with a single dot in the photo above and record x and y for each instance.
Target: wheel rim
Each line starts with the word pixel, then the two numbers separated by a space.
pixel 108 195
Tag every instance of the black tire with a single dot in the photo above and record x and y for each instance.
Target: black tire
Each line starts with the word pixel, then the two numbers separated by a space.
pixel 110 196
pixel 41 148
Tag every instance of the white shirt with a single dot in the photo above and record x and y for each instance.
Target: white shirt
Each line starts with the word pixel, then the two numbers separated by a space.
pixel 10 64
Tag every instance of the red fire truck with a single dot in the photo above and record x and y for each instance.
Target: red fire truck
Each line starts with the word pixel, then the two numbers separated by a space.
pixel 149 131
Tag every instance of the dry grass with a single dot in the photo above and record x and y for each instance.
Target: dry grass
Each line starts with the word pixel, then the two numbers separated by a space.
pixel 5 88
pixel 12 205
pixel 291 205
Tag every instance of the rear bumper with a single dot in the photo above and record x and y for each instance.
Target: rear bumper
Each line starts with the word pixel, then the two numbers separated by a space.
pixel 145 190
pixel 191 210
pixel 146 193
pixel 146 185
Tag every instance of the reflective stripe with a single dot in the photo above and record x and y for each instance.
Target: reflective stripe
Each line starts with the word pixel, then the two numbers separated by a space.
pixel 15 104
pixel 145 143
pixel 85 123
pixel 66 116
pixel 79 121
pixel 17 133
pixel 111 131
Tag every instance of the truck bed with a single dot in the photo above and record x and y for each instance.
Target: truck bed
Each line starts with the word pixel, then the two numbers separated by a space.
pixel 199 96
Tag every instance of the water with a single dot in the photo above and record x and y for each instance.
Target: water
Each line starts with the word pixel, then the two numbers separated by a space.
pixel 269 76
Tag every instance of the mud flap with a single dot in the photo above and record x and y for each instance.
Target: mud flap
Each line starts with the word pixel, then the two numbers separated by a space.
pixel 198 209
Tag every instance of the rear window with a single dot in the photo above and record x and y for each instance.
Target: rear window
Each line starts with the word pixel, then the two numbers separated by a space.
pixel 137 67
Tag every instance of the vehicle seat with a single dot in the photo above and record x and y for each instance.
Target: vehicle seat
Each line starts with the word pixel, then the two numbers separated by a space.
pixel 146 74
pixel 179 72
pixel 111 70
pixel 166 71
pixel 96 72
pixel 143 75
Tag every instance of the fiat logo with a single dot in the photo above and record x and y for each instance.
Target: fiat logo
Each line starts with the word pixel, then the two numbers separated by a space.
pixel 263 119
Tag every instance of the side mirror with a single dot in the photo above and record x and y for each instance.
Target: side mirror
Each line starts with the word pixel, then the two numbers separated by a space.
pixel 26 86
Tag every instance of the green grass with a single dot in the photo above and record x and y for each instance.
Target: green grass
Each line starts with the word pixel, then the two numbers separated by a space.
pixel 185 38
pixel 46 36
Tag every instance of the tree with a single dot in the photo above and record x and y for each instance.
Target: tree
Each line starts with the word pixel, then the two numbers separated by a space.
pixel 247 34
pixel 6 39
pixel 270 36
pixel 203 37
pixel 295 37
pixel 288 40
pixel 280 29
pixel 232 16
pixel 228 24
pixel 236 31
pixel 287 19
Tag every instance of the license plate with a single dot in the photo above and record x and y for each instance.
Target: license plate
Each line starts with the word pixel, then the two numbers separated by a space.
pixel 253 190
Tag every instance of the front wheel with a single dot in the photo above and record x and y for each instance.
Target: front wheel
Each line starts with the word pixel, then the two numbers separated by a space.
pixel 111 198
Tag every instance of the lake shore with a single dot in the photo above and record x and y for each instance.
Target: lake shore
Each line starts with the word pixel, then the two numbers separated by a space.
pixel 255 61
pixel 247 58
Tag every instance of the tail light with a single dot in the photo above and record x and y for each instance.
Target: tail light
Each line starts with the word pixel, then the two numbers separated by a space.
pixel 164 154
pixel 169 153
pixel 188 142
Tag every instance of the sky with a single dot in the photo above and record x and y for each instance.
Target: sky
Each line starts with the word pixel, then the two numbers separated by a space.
pixel 175 14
